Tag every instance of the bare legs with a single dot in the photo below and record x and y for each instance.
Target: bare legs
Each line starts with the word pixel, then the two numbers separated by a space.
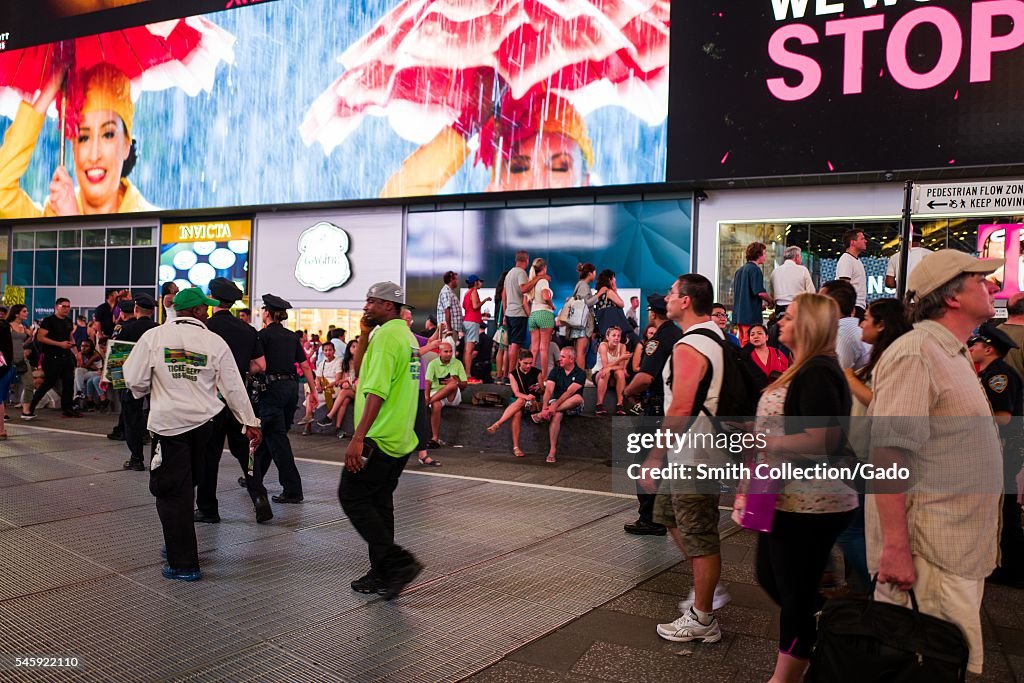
pixel 581 352
pixel 434 404
pixel 467 355
pixel 556 426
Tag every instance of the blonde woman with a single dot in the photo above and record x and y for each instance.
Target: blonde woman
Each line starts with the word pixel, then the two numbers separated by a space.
pixel 809 514
pixel 542 316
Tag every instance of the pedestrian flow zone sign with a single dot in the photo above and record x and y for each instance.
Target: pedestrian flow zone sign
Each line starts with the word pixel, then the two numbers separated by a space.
pixel 956 198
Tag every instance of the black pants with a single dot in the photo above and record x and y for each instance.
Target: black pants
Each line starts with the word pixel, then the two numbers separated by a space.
pixel 277 410
pixel 134 412
pixel 1011 541
pixel 226 426
pixel 367 498
pixel 57 369
pixel 790 562
pixel 171 483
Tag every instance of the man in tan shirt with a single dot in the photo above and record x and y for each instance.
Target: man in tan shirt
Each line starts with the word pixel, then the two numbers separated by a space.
pixel 1014 329
pixel 941 536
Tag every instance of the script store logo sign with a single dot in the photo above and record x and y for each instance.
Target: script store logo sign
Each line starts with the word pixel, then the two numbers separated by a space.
pixel 323 257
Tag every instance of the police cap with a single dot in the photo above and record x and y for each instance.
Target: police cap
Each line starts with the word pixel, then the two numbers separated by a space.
pixel 275 303
pixel 225 291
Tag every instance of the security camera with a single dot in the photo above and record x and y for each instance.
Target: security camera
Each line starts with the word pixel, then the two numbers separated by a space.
pixel 889 175
pixel 700 195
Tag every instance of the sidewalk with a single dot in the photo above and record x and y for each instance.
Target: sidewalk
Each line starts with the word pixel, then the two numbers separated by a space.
pixel 525 582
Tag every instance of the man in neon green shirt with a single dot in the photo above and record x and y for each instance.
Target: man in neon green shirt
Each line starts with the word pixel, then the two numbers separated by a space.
pixel 388 365
pixel 447 377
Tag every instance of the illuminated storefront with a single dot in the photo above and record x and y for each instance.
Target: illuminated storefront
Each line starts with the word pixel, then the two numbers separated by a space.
pixel 193 253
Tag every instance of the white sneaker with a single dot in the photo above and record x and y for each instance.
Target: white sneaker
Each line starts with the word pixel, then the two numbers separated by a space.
pixel 721 599
pixel 688 628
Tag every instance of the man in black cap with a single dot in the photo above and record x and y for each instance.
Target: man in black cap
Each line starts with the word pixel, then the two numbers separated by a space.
pixel 277 404
pixel 657 352
pixel 247 350
pixel 135 411
pixel 1005 391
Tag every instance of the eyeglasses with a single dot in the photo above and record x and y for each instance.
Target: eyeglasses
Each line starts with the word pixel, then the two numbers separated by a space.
pixel 719 315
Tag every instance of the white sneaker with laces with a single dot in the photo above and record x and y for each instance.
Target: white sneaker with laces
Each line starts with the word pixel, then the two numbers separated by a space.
pixel 721 599
pixel 688 628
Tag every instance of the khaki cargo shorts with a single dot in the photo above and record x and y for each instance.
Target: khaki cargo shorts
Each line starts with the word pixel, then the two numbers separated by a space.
pixel 695 515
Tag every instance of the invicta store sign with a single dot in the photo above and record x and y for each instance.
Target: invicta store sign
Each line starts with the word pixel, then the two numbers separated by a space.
pixel 323 262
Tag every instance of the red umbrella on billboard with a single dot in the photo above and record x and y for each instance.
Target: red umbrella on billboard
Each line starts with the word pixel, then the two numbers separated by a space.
pixel 429 66
pixel 181 53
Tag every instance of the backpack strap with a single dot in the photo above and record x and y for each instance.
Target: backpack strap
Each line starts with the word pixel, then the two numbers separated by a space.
pixel 705 383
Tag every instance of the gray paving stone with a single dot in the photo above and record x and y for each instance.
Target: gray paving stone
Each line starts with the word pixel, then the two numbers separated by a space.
pixel 633 665
pixel 659 606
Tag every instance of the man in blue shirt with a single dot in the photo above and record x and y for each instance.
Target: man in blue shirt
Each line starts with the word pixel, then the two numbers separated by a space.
pixel 748 291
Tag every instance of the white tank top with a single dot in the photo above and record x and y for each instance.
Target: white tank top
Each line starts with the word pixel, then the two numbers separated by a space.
pixel 169 313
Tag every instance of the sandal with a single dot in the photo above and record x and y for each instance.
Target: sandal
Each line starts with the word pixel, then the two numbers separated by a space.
pixel 550 458
pixel 600 411
pixel 518 452
pixel 493 428
pixel 619 410
pixel 427 461
pixel 436 443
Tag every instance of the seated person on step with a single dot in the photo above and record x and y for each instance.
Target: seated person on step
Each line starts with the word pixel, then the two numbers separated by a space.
pixel 447 378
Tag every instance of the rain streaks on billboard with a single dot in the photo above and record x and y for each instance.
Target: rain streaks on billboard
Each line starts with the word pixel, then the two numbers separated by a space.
pixel 785 87
pixel 313 101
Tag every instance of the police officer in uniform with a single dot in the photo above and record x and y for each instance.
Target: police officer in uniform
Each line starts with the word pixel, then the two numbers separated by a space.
pixel 277 404
pixel 247 350
pixel 135 411
pixel 1005 391
pixel 657 353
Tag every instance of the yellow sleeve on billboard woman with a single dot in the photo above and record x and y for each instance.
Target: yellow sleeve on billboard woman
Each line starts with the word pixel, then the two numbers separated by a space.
pixel 15 155
pixel 425 171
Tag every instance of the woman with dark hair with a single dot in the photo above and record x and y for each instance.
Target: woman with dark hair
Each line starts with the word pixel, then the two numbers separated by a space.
pixel 499 321
pixel 167 292
pixel 766 363
pixel 7 372
pixel 608 309
pixel 884 322
pixel 21 338
pixel 580 337
pixel 90 365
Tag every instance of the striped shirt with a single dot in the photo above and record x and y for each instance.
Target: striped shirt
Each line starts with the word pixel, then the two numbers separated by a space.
pixel 928 402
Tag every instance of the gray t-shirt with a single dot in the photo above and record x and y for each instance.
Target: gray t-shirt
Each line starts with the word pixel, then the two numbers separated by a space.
pixel 514 282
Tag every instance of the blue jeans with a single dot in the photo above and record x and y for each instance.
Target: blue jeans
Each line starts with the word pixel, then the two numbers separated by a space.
pixel 851 540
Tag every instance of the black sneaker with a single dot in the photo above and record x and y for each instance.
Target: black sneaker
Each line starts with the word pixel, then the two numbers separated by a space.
pixel 324 423
pixel 644 528
pixel 400 578
pixel 369 584
pixel 136 465
pixel 28 416
pixel 116 436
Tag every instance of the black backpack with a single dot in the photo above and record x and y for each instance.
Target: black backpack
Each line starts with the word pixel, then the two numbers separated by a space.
pixel 739 394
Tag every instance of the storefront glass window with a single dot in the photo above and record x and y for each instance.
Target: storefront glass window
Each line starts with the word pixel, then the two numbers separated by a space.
pixel 70 239
pixel 119 237
pixel 46 268
pixel 94 238
pixel 92 267
pixel 24 240
pixel 46 240
pixel 142 237
pixel 69 267
pixel 143 267
pixel 22 268
pixel 118 267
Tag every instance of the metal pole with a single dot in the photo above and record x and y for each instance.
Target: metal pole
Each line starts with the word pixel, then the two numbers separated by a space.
pixel 906 237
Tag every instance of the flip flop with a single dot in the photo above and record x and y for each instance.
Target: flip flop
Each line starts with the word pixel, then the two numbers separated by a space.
pixel 492 429
pixel 429 462
pixel 518 452
pixel 550 458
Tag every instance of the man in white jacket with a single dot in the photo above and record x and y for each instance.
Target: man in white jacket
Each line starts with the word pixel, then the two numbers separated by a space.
pixel 182 366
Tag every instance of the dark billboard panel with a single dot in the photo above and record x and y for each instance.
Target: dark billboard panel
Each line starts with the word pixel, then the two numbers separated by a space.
pixel 316 100
pixel 786 87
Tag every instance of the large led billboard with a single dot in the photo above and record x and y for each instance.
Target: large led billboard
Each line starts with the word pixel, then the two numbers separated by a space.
pixel 317 100
pixel 786 87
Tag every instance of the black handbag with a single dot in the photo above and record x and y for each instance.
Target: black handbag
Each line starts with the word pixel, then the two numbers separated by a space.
pixel 865 640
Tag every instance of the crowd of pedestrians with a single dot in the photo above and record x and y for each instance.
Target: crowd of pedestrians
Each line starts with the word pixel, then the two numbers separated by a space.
pixel 196 381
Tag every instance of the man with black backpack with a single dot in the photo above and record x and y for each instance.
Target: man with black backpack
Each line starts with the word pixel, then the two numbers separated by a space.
pixel 704 376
